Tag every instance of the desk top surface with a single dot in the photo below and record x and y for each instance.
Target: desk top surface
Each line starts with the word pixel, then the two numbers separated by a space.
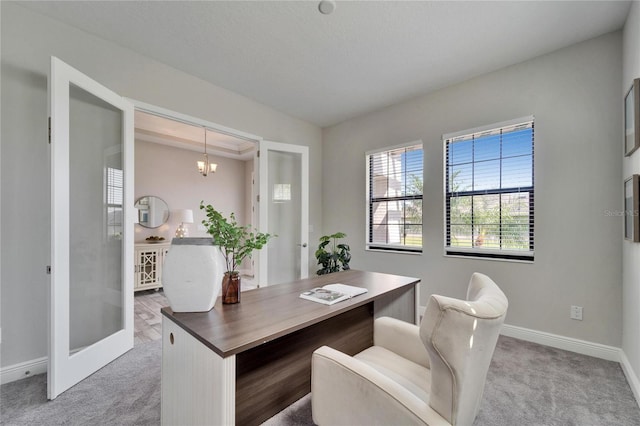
pixel 270 312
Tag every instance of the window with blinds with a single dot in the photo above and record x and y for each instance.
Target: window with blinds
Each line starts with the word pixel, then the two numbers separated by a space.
pixel 394 199
pixel 114 202
pixel 489 191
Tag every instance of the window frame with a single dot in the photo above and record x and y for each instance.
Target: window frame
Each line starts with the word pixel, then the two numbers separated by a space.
pixel 483 253
pixel 111 180
pixel 393 248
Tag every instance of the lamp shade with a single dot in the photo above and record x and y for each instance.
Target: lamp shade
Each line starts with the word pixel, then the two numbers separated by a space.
pixel 183 215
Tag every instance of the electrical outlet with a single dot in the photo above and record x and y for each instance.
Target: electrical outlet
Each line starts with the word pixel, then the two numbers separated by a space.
pixel 576 313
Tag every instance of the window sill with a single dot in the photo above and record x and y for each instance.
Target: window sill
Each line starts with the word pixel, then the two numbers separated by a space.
pixel 501 257
pixel 395 251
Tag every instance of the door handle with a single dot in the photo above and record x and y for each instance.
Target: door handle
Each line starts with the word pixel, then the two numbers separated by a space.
pixel 302 245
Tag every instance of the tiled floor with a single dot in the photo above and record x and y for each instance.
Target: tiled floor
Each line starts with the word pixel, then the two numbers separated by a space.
pixel 146 315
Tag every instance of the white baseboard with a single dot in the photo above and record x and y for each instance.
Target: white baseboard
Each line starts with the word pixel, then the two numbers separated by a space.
pixel 610 353
pixel 632 378
pixel 584 347
pixel 23 370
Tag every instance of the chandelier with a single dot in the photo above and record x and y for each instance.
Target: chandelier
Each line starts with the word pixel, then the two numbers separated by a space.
pixel 205 167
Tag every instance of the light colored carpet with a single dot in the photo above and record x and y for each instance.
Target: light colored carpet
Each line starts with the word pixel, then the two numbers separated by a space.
pixel 125 392
pixel 527 384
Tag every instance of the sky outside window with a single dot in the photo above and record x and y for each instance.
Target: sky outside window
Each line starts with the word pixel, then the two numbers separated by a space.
pixel 491 162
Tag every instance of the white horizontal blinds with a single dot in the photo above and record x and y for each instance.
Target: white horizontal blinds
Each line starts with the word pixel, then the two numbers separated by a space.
pixel 114 194
pixel 395 198
pixel 114 186
pixel 490 192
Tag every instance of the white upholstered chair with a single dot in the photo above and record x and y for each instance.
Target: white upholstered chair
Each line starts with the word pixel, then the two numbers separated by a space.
pixel 433 374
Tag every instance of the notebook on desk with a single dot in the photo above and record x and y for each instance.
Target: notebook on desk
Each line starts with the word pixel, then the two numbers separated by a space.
pixel 332 293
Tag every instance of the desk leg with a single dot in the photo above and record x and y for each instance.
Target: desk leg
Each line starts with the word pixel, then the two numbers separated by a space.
pixel 401 304
pixel 198 386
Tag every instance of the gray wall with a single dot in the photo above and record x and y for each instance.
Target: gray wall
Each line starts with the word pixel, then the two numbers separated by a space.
pixel 28 40
pixel 574 94
pixel 630 166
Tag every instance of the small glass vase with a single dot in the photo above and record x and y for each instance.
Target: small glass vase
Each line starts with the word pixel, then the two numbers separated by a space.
pixel 230 288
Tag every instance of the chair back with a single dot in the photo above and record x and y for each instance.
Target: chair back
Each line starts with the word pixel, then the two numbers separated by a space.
pixel 460 336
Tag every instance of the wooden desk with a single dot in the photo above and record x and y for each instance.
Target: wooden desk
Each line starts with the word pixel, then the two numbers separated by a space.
pixel 243 363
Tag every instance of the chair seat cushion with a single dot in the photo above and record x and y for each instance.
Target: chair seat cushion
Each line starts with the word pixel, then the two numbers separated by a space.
pixel 414 377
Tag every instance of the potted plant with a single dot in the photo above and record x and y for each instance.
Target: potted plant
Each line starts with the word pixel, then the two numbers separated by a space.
pixel 236 243
pixel 337 258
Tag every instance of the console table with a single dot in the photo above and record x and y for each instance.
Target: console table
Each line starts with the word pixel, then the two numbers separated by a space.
pixel 148 265
pixel 243 363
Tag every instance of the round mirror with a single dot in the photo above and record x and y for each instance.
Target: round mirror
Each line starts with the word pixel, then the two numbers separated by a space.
pixel 152 211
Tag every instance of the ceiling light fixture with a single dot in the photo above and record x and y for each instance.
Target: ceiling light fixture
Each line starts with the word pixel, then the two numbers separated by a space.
pixel 204 167
pixel 326 7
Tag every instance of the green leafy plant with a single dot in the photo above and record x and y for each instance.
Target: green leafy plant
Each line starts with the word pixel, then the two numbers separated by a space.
pixel 235 241
pixel 337 258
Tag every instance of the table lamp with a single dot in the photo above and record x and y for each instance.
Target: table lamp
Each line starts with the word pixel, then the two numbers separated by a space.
pixel 183 216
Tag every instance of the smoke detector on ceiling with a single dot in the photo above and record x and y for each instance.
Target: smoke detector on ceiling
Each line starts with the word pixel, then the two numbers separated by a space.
pixel 326 7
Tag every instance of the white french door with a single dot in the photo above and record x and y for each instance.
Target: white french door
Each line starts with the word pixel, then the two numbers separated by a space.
pixel 91 297
pixel 283 171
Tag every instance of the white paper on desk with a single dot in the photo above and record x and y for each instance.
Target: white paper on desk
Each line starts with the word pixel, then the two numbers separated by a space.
pixel 332 293
pixel 346 289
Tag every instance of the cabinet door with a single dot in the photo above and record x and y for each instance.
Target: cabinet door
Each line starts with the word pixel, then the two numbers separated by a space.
pixel 148 270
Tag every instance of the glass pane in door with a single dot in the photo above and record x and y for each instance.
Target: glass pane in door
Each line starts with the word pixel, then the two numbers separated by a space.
pixel 95 219
pixel 285 189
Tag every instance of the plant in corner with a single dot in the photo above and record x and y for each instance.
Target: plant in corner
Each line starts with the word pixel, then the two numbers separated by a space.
pixel 236 243
pixel 337 258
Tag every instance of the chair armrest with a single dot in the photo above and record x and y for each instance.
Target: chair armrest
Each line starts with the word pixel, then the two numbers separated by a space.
pixel 402 338
pixel 346 391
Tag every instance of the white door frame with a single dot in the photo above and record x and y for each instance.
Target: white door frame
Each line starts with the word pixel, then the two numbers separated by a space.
pixel 63 368
pixel 194 121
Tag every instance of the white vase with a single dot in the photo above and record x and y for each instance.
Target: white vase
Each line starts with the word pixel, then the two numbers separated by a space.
pixel 192 274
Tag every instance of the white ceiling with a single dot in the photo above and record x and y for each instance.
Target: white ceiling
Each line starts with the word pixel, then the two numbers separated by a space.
pixel 328 68
pixel 156 129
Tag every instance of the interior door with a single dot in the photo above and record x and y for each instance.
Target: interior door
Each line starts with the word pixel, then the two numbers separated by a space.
pixel 283 171
pixel 91 297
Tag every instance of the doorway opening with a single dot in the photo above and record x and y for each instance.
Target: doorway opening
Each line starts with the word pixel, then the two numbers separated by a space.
pixel 168 147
